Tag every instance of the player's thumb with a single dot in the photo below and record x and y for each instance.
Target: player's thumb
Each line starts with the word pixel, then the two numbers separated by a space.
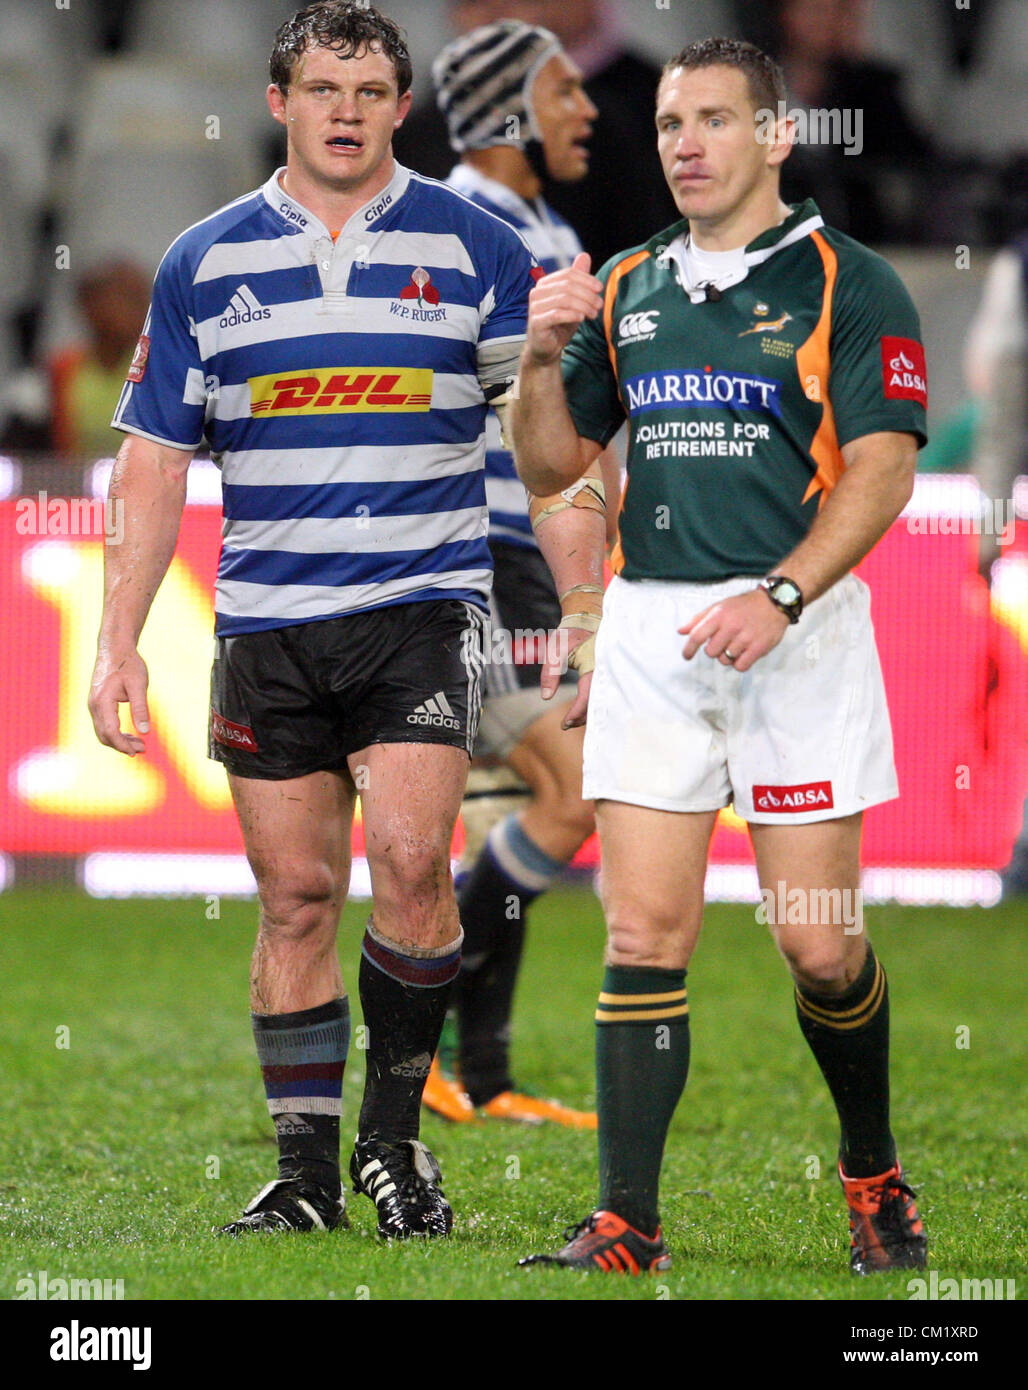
pixel 549 680
pixel 576 715
pixel 582 261
pixel 136 692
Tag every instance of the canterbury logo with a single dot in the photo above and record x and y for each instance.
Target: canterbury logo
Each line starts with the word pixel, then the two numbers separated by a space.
pixel 244 307
pixel 332 390
pixel 435 713
pixel 634 328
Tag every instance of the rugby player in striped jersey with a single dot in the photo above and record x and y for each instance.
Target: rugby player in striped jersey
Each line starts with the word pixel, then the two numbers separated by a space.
pixel 333 338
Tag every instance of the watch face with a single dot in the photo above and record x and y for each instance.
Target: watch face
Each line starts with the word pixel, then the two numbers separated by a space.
pixel 785 591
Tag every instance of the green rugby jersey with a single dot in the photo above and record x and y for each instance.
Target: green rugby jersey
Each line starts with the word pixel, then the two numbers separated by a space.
pixel 738 408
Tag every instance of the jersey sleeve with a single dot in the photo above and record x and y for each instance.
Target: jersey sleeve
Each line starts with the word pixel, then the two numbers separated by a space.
pixel 590 385
pixel 877 380
pixel 164 398
pixel 505 313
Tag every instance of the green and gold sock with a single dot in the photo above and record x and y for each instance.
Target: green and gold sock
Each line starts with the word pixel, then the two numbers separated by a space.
pixel 642 1061
pixel 849 1036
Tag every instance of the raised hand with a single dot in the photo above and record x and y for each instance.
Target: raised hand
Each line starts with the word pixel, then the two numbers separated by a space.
pixel 557 305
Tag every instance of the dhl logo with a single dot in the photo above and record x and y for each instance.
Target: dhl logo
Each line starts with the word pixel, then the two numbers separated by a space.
pixel 328 391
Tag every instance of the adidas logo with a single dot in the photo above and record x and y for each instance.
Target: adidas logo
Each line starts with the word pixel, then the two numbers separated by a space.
pixel 435 712
pixel 292 1124
pixel 416 1068
pixel 244 307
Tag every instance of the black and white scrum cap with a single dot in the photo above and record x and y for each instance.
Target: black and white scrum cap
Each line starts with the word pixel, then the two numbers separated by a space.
pixel 485 78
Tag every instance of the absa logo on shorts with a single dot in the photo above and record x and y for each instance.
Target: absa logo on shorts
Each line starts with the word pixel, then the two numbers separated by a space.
pixel 232 735
pixel 903 370
pixel 690 387
pixel 808 796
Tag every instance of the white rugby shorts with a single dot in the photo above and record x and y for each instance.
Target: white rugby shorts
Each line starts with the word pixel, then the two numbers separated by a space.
pixel 802 736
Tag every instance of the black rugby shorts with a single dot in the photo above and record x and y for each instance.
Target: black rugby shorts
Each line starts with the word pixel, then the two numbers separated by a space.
pixel 525 613
pixel 295 700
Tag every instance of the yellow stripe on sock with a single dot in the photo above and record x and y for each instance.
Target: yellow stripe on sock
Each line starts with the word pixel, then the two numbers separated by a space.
pixel 642 998
pixel 638 1015
pixel 847 1018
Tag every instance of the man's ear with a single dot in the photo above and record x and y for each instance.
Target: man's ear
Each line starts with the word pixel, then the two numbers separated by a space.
pixel 402 108
pixel 276 102
pixel 784 139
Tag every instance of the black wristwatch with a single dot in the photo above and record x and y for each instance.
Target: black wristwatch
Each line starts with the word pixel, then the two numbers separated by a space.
pixel 784 594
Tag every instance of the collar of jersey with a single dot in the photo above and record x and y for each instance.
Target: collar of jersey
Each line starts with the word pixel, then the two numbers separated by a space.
pixel 277 199
pixel 802 220
pixel 466 179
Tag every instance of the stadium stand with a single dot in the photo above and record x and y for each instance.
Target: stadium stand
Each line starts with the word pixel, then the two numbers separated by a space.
pixel 228 31
pixel 919 51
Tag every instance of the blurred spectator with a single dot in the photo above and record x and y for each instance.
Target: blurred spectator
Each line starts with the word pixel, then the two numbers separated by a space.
pixel 996 367
pixel 965 26
pixel 623 200
pixel 874 190
pixel 66 406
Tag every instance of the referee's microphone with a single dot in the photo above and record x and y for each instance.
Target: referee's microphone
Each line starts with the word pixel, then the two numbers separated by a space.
pixel 711 293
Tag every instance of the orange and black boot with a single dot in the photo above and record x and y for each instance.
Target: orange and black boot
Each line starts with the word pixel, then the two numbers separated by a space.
pixel 606 1242
pixel 885 1229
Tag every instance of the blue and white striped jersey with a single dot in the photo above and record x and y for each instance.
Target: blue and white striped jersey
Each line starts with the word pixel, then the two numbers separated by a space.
pixel 554 245
pixel 339 386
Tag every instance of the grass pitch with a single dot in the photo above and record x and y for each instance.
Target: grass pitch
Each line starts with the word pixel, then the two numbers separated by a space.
pixel 126 1137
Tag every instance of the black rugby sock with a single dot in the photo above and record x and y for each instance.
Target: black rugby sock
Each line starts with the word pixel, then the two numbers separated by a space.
pixel 849 1036
pixel 509 874
pixel 404 997
pixel 485 1001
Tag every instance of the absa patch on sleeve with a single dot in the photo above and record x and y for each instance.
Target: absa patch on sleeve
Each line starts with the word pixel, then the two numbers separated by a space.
pixel 142 352
pixel 903 370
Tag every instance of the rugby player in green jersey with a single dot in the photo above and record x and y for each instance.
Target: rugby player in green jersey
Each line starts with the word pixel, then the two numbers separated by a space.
pixel 772 377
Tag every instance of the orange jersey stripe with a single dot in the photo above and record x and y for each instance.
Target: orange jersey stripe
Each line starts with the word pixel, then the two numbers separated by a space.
pixel 610 294
pixel 813 364
pixel 617 557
